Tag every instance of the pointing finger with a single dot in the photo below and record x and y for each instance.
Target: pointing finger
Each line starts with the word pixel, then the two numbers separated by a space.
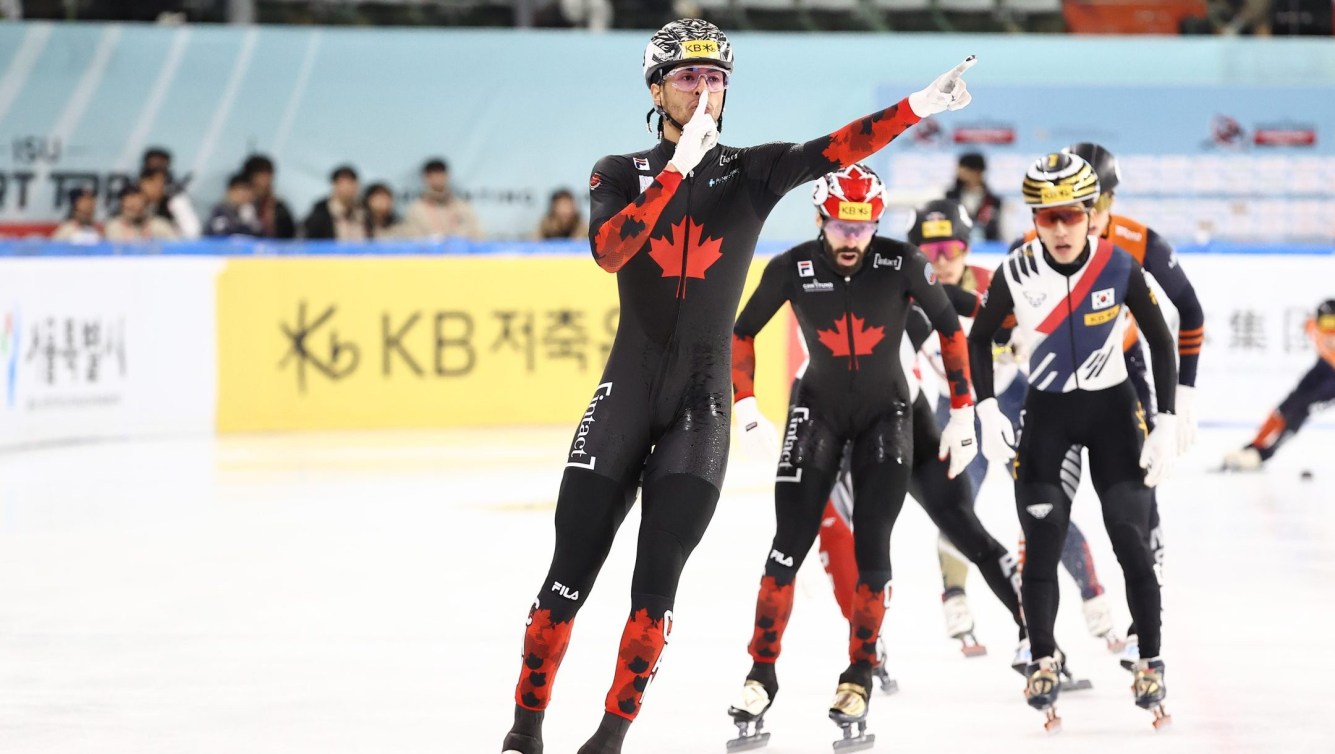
pixel 958 71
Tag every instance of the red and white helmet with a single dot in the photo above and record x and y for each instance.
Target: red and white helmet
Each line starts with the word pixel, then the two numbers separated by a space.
pixel 852 193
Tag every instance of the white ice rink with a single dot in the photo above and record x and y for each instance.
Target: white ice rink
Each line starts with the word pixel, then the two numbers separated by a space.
pixel 367 593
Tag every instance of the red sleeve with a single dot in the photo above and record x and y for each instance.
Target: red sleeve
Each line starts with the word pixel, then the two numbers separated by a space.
pixel 743 367
pixel 864 136
pixel 625 233
pixel 955 356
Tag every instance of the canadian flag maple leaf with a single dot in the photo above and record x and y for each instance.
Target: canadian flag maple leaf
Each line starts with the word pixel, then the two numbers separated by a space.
pixel 864 338
pixel 668 253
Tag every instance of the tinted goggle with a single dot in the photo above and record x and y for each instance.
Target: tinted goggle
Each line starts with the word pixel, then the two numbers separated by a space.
pixel 948 250
pixel 687 78
pixel 853 231
pixel 1049 217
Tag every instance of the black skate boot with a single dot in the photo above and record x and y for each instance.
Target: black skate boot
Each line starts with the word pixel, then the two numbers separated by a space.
pixel 849 710
pixel 1041 690
pixel 1150 690
pixel 748 712
pixel 525 736
pixel 607 739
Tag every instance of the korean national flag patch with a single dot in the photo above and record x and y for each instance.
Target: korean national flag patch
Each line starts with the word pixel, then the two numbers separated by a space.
pixel 804 268
pixel 1103 299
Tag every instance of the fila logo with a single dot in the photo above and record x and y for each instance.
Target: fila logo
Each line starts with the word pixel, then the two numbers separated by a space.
pixel 641 163
pixel 881 261
pixel 1040 511
pixel 1035 299
pixel 805 269
pixel 1103 299
pixel 780 558
pixel 565 591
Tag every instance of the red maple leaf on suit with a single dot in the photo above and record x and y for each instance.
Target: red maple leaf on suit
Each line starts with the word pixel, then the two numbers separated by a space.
pixel 702 254
pixel 864 338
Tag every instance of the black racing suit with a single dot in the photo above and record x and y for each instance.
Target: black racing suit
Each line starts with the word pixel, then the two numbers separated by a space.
pixel 853 391
pixel 681 248
pixel 1069 406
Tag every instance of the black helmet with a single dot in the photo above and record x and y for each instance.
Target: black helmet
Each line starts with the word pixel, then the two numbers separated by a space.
pixel 1325 316
pixel 1103 161
pixel 1059 179
pixel 686 40
pixel 940 220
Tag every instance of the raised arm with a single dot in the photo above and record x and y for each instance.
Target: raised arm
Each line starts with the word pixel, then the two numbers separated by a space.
pixel 620 220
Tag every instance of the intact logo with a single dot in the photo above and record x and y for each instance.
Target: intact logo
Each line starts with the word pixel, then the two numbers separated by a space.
pixel 1103 299
pixel 1035 299
pixel 1040 511
pixel 892 262
pixel 788 471
pixel 578 450
pixel 641 163
pixel 805 269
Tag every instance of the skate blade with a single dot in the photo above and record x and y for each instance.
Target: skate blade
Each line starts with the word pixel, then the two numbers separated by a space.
pixel 1115 643
pixel 855 743
pixel 747 743
pixel 1078 684
pixel 973 650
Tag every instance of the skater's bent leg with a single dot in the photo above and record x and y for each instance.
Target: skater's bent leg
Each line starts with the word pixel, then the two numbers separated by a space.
pixel 836 550
pixel 1126 511
pixel 676 511
pixel 1044 512
pixel 589 510
pixel 797 514
pixel 1079 562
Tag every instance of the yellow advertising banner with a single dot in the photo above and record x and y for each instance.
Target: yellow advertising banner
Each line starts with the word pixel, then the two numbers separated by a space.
pixel 370 342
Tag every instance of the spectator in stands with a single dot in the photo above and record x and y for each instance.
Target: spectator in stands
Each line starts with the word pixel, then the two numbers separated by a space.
pixel 381 220
pixel 80 226
pixel 135 222
pixel 563 219
pixel 235 214
pixel 438 213
pixel 168 198
pixel 338 216
pixel 971 190
pixel 274 216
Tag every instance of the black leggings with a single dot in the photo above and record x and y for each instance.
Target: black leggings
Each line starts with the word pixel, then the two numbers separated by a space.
pixel 1110 424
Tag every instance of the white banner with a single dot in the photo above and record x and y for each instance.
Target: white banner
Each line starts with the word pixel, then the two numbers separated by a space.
pixel 96 348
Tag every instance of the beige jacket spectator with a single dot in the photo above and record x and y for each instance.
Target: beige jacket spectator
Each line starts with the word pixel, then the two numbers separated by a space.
pixel 80 226
pixel 134 223
pixel 438 213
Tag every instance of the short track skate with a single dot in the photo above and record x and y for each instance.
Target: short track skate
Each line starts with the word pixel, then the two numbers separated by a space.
pixel 748 714
pixel 849 712
pixel 970 646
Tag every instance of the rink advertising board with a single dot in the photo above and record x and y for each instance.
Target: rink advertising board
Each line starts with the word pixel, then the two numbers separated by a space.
pixel 101 348
pixel 358 342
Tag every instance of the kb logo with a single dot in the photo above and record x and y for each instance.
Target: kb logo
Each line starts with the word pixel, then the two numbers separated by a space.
pixel 306 348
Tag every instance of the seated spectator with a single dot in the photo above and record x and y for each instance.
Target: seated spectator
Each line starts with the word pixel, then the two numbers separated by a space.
pixel 235 214
pixel 562 219
pixel 134 222
pixel 438 213
pixel 338 216
pixel 971 190
pixel 381 220
pixel 80 226
pixel 167 197
pixel 274 216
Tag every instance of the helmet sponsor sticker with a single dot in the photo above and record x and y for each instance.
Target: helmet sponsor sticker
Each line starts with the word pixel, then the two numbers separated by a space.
pixel 855 211
pixel 937 229
pixel 700 48
pixel 1056 194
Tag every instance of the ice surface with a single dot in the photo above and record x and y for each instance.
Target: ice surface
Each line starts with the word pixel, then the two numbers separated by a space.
pixel 367 593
